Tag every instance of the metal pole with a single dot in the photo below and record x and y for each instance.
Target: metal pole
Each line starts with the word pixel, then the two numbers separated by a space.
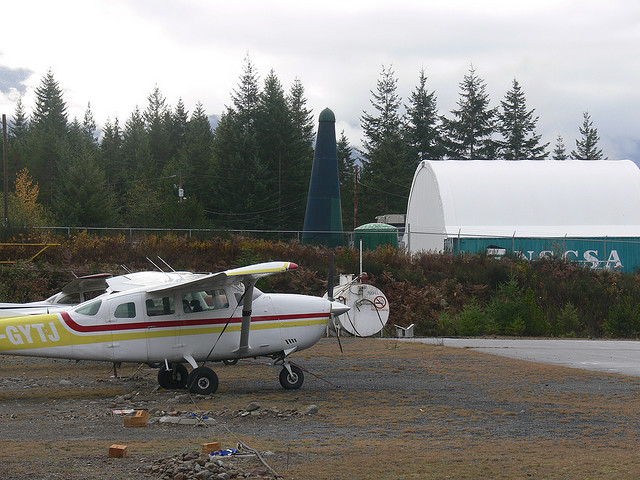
pixel 355 200
pixel 361 257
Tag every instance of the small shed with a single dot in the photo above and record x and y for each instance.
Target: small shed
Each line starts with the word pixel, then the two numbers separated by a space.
pixel 374 235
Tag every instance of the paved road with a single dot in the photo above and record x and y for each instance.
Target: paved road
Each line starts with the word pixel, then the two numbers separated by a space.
pixel 613 356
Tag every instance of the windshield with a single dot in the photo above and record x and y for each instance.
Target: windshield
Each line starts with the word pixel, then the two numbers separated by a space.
pixel 90 308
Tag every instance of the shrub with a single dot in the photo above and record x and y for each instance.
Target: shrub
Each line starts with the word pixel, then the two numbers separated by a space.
pixel 473 320
pixel 567 322
pixel 516 312
pixel 624 318
pixel 469 322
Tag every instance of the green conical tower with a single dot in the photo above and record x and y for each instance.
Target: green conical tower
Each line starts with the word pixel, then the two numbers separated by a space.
pixel 323 218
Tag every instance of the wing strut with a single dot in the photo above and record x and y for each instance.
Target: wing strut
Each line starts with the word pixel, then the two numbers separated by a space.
pixel 246 314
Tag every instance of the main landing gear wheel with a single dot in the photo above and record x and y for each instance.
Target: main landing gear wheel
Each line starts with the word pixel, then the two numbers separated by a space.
pixel 230 361
pixel 173 379
pixel 293 380
pixel 202 380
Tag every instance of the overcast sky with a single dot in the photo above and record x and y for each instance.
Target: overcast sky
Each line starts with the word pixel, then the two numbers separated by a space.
pixel 568 56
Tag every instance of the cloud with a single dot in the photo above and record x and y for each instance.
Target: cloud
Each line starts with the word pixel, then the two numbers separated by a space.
pixel 569 56
pixel 12 80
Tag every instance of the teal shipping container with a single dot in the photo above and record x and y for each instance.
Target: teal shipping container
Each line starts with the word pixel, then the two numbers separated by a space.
pixel 619 254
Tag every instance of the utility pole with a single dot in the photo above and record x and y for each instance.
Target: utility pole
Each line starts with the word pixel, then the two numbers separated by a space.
pixel 180 190
pixel 6 173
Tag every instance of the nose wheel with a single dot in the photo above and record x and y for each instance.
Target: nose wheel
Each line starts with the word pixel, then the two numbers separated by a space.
pixel 291 377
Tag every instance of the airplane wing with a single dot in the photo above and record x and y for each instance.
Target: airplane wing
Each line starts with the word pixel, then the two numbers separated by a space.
pixel 261 269
pixel 210 281
pixel 86 283
pixel 203 281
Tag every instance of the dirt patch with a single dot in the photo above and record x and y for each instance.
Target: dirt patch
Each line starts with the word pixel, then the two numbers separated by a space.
pixel 386 410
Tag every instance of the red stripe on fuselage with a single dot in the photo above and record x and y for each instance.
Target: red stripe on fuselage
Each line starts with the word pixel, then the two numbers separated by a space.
pixel 110 327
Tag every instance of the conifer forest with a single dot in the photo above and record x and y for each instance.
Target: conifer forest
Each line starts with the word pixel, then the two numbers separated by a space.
pixel 166 167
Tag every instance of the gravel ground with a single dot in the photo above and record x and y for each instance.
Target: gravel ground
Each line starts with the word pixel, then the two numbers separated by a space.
pixel 57 420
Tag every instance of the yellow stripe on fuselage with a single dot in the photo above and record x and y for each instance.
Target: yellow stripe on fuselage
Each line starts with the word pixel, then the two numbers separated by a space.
pixel 46 331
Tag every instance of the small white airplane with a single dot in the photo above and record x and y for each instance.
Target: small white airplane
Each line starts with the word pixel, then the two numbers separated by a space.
pixel 75 292
pixel 172 318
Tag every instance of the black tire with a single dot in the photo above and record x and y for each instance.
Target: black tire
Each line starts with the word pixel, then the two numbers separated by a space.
pixel 230 361
pixel 173 379
pixel 203 381
pixel 291 381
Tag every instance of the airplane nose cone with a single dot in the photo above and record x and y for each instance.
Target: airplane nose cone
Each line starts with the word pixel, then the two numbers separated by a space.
pixel 338 308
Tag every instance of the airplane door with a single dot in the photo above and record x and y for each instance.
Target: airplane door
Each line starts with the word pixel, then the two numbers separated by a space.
pixel 204 314
pixel 126 342
pixel 162 333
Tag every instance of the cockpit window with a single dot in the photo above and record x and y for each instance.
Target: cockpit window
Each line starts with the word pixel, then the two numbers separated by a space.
pixel 159 306
pixel 204 300
pixel 64 299
pixel 90 309
pixel 125 310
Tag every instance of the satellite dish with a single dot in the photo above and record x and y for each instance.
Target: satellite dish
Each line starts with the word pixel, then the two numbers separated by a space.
pixel 369 307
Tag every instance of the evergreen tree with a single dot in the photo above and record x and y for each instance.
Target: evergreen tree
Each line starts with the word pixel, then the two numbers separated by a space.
pixel 386 121
pixel 156 117
pixel 587 146
pixel 89 123
pixel 559 150
pixel 49 130
pixel 346 174
pixel 144 205
pixel 469 132
pixel 19 126
pixel 301 150
pixel 177 124
pixel 137 156
pixel 301 116
pixel 138 177
pixel 196 155
pixel 517 126
pixel 18 139
pixel 239 192
pixel 422 131
pixel 245 101
pixel 387 169
pixel 175 211
pixel 276 135
pixel 50 110
pixel 83 198
pixel 111 154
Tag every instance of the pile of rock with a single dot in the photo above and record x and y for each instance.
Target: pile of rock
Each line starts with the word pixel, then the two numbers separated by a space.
pixel 196 466
pixel 255 409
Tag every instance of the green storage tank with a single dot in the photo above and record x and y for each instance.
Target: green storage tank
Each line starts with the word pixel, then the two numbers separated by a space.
pixel 375 234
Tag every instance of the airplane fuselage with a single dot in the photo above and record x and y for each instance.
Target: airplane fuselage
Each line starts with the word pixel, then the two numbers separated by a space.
pixel 139 327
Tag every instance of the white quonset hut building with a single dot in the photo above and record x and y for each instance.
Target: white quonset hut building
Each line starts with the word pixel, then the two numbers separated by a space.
pixel 587 211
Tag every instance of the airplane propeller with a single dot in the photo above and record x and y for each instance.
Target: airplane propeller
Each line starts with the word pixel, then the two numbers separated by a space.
pixel 334 305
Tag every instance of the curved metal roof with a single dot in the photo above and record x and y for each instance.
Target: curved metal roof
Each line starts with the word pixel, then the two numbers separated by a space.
pixel 524 198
